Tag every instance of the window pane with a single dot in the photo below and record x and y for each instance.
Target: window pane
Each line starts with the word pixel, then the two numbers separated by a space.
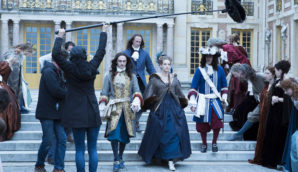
pixel 199 38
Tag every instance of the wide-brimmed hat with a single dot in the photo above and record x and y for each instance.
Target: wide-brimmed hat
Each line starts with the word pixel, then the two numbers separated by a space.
pixel 209 51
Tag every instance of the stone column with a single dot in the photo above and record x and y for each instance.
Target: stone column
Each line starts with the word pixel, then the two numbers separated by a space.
pixel 68 34
pixel 170 40
pixel 159 38
pixel 119 37
pixel 109 51
pixel 4 36
pixel 16 32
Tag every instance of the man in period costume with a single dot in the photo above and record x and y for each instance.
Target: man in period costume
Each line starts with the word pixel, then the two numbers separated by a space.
pixel 140 60
pixel 208 89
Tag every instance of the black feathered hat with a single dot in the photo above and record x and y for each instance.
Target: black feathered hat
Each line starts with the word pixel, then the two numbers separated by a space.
pixel 235 10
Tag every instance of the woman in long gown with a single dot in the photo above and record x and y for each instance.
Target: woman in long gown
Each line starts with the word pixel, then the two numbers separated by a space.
pixel 166 136
pixel 277 120
pixel 270 76
pixel 119 88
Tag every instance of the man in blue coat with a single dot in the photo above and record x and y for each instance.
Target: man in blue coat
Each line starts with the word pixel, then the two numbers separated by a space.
pixel 140 59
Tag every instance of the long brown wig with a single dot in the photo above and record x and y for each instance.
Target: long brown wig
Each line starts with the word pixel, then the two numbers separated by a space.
pixel 129 43
pixel 129 66
pixel 214 60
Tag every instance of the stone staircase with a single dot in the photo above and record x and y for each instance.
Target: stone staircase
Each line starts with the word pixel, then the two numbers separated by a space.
pixel 21 151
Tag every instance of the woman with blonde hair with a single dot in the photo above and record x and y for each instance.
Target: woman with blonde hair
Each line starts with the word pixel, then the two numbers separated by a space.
pixel 166 136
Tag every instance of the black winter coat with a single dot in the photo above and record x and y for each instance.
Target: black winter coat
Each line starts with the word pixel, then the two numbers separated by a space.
pixel 52 90
pixel 80 108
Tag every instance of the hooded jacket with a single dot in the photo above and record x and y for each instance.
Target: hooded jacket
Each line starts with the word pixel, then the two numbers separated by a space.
pixel 52 91
pixel 80 109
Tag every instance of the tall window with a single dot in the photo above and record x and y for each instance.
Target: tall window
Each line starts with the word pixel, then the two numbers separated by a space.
pixel 248 5
pixel 199 38
pixel 278 43
pixel 201 6
pixel 41 36
pixel 89 38
pixel 278 5
pixel 246 37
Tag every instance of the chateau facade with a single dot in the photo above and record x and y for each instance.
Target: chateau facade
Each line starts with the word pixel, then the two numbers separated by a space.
pixel 269 33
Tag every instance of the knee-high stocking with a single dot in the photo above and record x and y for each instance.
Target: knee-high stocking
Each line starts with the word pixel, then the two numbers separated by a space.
pixel 204 137
pixel 215 135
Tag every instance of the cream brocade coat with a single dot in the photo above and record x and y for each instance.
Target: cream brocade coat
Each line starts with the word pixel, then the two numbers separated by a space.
pixel 111 90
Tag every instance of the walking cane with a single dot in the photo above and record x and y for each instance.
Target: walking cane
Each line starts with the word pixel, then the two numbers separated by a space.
pixel 233 8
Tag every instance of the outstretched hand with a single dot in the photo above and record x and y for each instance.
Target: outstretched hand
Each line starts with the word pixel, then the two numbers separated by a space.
pixel 105 27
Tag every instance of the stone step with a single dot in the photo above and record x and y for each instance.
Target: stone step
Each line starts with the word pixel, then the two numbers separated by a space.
pixel 189 166
pixel 33 105
pixel 33 126
pixel 129 155
pixel 24 145
pixel 30 117
pixel 194 135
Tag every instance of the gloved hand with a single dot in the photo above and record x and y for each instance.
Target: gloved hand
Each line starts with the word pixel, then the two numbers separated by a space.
pixel 225 99
pixel 136 105
pixel 193 103
pixel 102 107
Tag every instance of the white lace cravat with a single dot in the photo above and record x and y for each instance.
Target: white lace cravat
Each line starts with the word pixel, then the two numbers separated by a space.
pixel 120 77
pixel 209 69
pixel 135 55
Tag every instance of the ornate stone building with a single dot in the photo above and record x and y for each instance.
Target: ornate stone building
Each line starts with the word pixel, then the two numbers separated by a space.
pixel 268 34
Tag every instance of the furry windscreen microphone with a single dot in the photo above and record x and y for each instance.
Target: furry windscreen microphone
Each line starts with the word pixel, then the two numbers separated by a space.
pixel 235 10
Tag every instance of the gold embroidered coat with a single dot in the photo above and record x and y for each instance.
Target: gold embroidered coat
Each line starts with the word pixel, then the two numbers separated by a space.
pixel 110 91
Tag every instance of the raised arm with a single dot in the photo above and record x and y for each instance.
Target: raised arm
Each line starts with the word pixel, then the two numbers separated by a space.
pixel 56 52
pixel 95 62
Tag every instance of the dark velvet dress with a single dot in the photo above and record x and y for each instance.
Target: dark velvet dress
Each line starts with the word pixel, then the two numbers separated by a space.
pixel 262 123
pixel 275 132
pixel 237 90
pixel 240 117
pixel 166 136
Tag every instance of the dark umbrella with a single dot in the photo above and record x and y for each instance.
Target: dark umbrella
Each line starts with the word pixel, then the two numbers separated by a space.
pixel 233 7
